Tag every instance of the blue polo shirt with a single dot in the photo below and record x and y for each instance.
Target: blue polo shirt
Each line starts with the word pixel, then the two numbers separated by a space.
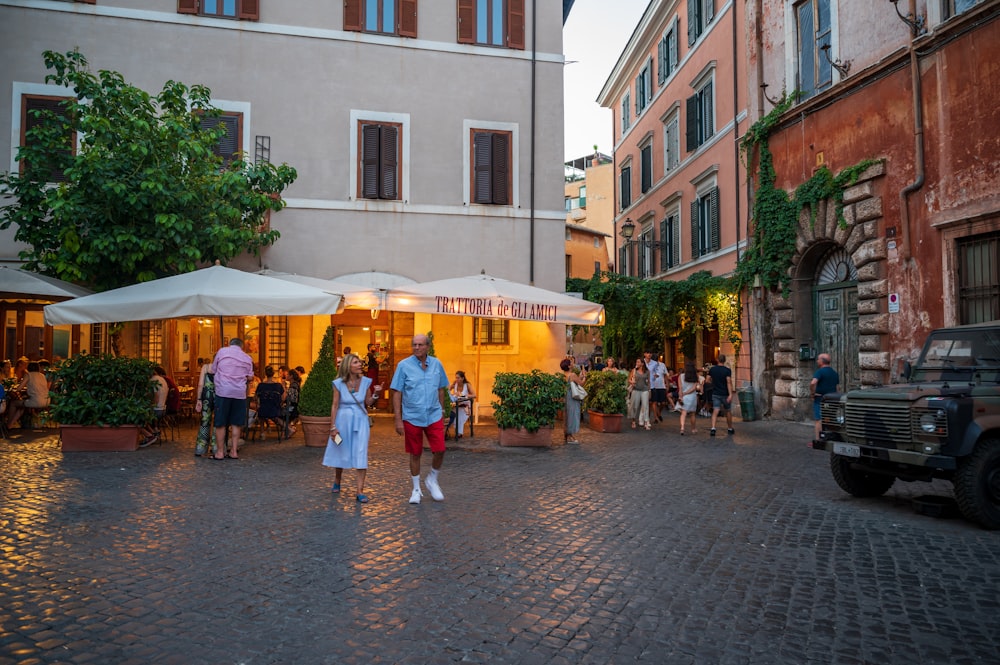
pixel 419 387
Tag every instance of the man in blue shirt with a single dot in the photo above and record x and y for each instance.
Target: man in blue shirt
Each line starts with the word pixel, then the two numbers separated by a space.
pixel 418 393
pixel 824 381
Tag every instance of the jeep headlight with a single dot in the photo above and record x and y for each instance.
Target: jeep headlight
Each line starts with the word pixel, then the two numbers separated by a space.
pixel 839 417
pixel 928 423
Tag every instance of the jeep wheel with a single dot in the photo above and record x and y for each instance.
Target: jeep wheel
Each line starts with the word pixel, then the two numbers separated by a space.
pixel 977 484
pixel 856 482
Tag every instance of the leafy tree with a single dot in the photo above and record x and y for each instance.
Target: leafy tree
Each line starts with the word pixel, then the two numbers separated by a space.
pixel 144 195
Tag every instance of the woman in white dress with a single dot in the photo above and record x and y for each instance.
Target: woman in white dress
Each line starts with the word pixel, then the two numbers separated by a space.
pixel 461 395
pixel 353 393
pixel 689 388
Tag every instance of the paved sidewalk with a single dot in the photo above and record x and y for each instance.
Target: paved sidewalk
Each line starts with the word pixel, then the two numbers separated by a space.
pixel 633 547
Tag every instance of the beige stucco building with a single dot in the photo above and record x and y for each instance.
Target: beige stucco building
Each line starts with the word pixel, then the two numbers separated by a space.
pixel 452 91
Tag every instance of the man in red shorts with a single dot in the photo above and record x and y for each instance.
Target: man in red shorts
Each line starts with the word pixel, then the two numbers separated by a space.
pixel 418 393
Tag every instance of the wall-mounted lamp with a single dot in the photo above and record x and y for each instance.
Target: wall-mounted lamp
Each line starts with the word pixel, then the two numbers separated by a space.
pixel 628 230
pixel 916 23
pixel 841 67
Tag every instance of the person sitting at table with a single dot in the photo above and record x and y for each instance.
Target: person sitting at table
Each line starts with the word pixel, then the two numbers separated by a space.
pixel 461 394
pixel 270 398
pixel 32 392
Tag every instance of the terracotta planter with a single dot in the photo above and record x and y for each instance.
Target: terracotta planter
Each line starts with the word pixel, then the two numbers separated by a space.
pixel 605 422
pixel 522 437
pixel 315 430
pixel 95 438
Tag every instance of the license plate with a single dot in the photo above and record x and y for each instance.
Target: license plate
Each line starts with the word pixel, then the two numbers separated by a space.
pixel 846 449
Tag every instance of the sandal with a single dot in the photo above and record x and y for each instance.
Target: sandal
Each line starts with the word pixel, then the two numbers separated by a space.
pixel 336 488
pixel 633 424
pixel 362 498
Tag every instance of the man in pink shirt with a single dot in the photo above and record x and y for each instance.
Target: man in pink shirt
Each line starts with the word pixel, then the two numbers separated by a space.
pixel 233 368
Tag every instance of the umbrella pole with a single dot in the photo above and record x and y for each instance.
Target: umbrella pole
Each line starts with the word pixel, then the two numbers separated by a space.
pixel 479 356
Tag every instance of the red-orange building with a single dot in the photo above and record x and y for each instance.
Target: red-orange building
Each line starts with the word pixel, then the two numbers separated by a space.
pixel 913 86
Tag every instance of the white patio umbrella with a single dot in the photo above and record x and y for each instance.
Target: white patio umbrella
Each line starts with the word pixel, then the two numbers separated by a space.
pixel 23 284
pixel 354 295
pixel 491 297
pixel 214 291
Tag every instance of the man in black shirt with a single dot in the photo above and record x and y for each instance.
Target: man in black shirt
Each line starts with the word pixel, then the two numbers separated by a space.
pixel 722 393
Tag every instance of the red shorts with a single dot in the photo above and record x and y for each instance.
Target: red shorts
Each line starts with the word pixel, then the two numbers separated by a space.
pixel 414 437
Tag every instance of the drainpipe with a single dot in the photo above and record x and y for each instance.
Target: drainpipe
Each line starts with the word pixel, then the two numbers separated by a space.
pixel 534 60
pixel 736 133
pixel 918 137
pixel 758 42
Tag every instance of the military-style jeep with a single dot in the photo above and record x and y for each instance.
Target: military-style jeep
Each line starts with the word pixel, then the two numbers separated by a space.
pixel 943 423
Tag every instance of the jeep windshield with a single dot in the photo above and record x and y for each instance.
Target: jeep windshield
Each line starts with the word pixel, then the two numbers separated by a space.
pixel 970 354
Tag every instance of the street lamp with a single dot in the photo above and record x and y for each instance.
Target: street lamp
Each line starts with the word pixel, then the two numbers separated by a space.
pixel 628 230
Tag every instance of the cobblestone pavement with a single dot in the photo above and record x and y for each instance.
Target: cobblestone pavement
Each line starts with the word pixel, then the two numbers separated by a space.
pixel 634 547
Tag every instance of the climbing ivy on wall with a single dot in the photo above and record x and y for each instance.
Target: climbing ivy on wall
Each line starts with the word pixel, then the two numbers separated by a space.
pixel 638 312
pixel 775 214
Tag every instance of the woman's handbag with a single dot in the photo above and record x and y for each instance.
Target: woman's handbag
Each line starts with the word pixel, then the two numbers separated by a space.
pixel 577 391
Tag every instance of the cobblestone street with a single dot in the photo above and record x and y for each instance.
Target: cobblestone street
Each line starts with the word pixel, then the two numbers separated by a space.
pixel 640 546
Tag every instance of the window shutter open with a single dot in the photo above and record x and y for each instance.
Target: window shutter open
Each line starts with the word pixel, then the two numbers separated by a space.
pixel 369 161
pixel 249 10
pixel 407 18
pixel 187 6
pixel 695 249
pixel 388 187
pixel 515 24
pixel 713 212
pixel 692 123
pixel 673 47
pixel 708 121
pixel 664 246
pixel 675 247
pixel 661 73
pixel 352 15
pixel 692 21
pixel 482 147
pixel 709 11
pixel 466 21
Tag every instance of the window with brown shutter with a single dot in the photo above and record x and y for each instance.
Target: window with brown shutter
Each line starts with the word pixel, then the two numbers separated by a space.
pixel 492 22
pixel 491 167
pixel 379 158
pixel 230 145
pixel 244 10
pixel 34 109
pixel 385 17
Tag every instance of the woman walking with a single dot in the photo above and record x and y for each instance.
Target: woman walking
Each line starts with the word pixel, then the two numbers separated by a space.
pixel 350 430
pixel 639 381
pixel 689 388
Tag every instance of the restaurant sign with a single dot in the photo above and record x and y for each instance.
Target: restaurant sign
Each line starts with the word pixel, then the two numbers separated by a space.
pixel 497 308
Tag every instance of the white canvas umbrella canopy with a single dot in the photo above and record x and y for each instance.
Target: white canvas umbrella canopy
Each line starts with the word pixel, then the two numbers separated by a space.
pixel 355 296
pixel 22 284
pixel 214 291
pixel 491 297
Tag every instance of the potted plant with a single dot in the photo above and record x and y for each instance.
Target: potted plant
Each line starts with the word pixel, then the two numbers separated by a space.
pixel 102 401
pixel 316 398
pixel 527 407
pixel 606 403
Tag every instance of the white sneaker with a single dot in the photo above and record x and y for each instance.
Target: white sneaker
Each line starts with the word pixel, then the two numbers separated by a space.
pixel 415 495
pixel 434 489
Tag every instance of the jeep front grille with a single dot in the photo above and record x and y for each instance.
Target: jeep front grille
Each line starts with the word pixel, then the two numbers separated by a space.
pixel 884 424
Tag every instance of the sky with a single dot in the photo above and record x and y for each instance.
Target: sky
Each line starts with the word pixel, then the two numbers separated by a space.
pixel 593 38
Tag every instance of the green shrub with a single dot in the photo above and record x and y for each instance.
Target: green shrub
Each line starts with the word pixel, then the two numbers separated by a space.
pixel 607 392
pixel 316 398
pixel 103 390
pixel 530 400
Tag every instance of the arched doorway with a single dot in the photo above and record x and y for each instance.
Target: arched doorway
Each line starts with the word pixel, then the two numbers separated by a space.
pixel 835 315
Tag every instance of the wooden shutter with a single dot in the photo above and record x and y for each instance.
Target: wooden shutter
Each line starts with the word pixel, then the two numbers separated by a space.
pixel 389 163
pixel 352 15
pixel 501 169
pixel 665 247
pixel 482 146
pixel 625 187
pixel 249 10
pixel 709 11
pixel 187 6
pixel 692 123
pixel 692 21
pixel 695 249
pixel 673 45
pixel 707 115
pixel 466 21
pixel 646 177
pixel 407 22
pixel 369 161
pixel 515 24
pixel 713 215
pixel 675 247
